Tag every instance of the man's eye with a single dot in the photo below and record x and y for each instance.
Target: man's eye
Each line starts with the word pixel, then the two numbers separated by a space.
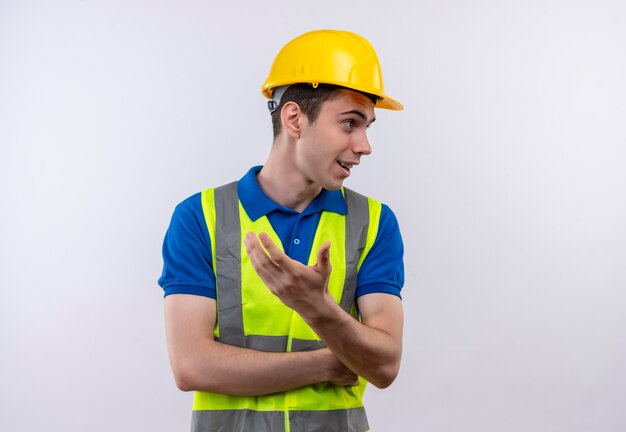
pixel 349 123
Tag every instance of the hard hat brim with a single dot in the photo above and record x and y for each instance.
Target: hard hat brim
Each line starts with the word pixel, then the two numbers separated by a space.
pixel 387 102
pixel 384 102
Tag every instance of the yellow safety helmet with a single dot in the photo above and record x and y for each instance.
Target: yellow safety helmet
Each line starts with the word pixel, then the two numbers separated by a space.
pixel 334 57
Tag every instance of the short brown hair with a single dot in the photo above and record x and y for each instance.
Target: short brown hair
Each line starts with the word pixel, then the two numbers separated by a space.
pixel 309 99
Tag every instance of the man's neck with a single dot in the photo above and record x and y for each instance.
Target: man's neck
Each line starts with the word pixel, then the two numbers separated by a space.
pixel 280 181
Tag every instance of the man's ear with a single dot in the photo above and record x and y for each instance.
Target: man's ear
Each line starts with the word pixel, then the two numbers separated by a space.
pixel 291 117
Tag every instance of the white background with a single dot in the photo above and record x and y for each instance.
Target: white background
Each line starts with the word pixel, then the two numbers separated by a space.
pixel 506 171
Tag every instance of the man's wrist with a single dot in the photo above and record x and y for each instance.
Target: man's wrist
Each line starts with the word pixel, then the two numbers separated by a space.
pixel 323 312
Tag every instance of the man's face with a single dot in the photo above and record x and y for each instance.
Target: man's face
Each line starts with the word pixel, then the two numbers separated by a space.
pixel 329 148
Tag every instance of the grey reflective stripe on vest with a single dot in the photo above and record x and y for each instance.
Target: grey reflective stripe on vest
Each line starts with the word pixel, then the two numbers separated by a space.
pixel 228 269
pixel 306 345
pixel 278 343
pixel 237 421
pixel 357 224
pixel 348 420
pixel 263 343
pixel 228 265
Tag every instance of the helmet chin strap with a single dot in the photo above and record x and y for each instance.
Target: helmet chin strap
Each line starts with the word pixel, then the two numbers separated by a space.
pixel 277 94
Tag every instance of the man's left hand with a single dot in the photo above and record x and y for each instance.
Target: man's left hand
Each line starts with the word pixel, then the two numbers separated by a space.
pixel 300 287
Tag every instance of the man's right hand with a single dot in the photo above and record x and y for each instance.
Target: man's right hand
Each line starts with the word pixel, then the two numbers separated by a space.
pixel 339 374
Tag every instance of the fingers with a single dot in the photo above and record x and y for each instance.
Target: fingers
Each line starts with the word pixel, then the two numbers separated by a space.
pixel 339 374
pixel 263 251
pixel 252 244
pixel 274 252
pixel 355 381
pixel 298 286
pixel 262 263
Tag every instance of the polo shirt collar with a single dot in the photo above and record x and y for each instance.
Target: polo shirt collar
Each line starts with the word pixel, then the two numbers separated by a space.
pixel 257 204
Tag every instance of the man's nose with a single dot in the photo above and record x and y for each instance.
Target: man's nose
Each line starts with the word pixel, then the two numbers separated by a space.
pixel 362 145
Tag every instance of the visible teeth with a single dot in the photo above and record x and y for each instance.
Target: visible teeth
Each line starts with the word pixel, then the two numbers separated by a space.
pixel 346 166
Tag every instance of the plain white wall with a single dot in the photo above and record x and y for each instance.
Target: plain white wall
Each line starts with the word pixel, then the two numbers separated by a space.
pixel 506 171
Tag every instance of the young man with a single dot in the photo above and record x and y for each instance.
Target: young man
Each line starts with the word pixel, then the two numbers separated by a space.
pixel 283 289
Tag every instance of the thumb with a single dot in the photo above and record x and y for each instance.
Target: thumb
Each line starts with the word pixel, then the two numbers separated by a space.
pixel 323 258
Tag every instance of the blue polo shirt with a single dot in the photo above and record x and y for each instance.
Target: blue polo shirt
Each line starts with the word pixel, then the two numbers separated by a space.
pixel 187 259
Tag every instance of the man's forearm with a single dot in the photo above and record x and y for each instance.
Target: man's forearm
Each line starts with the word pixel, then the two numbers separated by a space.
pixel 226 369
pixel 371 352
pixel 201 363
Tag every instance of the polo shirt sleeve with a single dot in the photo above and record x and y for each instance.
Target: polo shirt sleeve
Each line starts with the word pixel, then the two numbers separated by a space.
pixel 187 260
pixel 382 270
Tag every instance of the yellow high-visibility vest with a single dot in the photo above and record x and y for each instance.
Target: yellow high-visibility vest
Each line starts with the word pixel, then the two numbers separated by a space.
pixel 250 316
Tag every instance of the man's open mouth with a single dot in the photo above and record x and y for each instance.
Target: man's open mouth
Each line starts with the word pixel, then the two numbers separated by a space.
pixel 344 165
